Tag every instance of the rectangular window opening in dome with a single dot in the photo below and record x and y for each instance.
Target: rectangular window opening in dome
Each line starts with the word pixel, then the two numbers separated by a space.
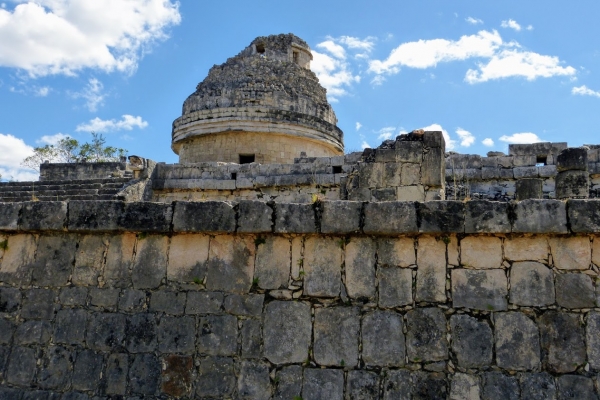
pixel 246 158
pixel 260 48
pixel 296 56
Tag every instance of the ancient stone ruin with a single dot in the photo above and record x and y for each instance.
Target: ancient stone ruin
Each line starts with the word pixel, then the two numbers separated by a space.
pixel 401 272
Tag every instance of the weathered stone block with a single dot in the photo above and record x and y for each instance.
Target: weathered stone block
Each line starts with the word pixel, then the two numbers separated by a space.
pixel 144 374
pixel 433 169
pixel 188 258
pixel 389 218
pixel 524 161
pixel 517 342
pixel 177 374
pixel 230 264
pixel 392 174
pixel 215 377
pixel 584 215
pixel 322 267
pixel 217 335
pixel 21 366
pixel 387 194
pixel 203 216
pixel 529 188
pixel 479 289
pixel 105 331
pixel 140 333
pixel 537 386
pixel 132 300
pixel 410 193
pixel 340 217
pixel 204 303
pixel 575 290
pixel 105 298
pixel 54 260
pixel 481 252
pixel 272 264
pixel 254 217
pixel 593 339
pixel 117 369
pixel 39 304
pixel 465 387
pixel 150 265
pixel 497 386
pixel 43 215
pixel 531 284
pixel 563 341
pixel 323 384
pixel 431 273
pixel 70 325
pixel 429 385
pixel 9 216
pixel 572 184
pixel 295 218
pixel 362 385
pixel 573 158
pixel 89 260
pixel 426 335
pixel 254 381
pixel 571 252
pixel 168 302
pixel 525 172
pixel 472 341
pixel 540 216
pixel 576 387
pixel 10 299
pixel 119 258
pixel 287 332
pixel 370 175
pixel 397 385
pixel 409 151
pixel 360 268
pixel 33 332
pixel 87 370
pixel 396 252
pixel 411 174
pixel 251 338
pixel 289 383
pixel 482 216
pixel 176 334
pixel 441 216
pixel 395 286
pixel 94 216
pixel 7 327
pixel 336 336
pixel 527 248
pixel 383 339
pixel 56 369
pixel 249 305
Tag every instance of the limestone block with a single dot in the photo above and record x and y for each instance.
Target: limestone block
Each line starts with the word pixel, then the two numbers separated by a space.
pixel 497 386
pixel 464 387
pixel 571 252
pixel 593 339
pixel 596 251
pixel 572 184
pixel 533 248
pixel 336 331
pixel 575 290
pixel 576 387
pixel 359 194
pixel 387 194
pixel 441 216
pixel 411 174
pixel 360 268
pixel 297 256
pixel 340 217
pixel 395 286
pixel 89 260
pixel 9 216
pixel 396 252
pixel 230 264
pixel 117 368
pixel 370 175
pixel 531 284
pixel 10 299
pixel 203 216
pixel 563 342
pixel 584 215
pixel 472 341
pixel 248 305
pixel 431 271
pixel 188 257
pixel 43 215
pixel 426 335
pixel 254 381
pixel 216 377
pixel 517 342
pixel 150 265
pixel 390 218
pixel 21 366
pixel 295 218
pixel 204 302
pixel 33 332
pixel 433 169
pixel 217 335
pixel 165 301
pixel 105 331
pixel 479 289
pixel 486 216
pixel 538 386
pixel 119 259
pixel 409 151
pixel 287 332
pixel 95 215
pixel 392 174
pixel 383 339
pixel 410 193
pixel 176 334
pixel 322 267
pixel 452 251
pixel 525 172
pixel 54 260
pixel 289 382
pixel 540 216
pixel 146 217
pixel 141 333
pixel 362 384
pixel 481 252
pixel 16 263
pixel 39 304
pixel 397 385
pixel 105 298
pixel 254 217
pixel 547 171
pixel 529 188
pixel 323 384
pixel 144 374
pixel 573 158
pixel 87 370
pixel 272 267
pixel 487 173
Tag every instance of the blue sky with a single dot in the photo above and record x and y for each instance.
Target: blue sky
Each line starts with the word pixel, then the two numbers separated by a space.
pixel 487 73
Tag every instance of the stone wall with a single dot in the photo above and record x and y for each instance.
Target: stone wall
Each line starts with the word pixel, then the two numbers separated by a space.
pixel 329 300
pixel 81 171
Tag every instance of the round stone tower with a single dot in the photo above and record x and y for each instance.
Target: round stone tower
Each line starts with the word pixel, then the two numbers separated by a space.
pixel 264 105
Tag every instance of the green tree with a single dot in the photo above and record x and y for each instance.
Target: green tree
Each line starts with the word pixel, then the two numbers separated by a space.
pixel 69 150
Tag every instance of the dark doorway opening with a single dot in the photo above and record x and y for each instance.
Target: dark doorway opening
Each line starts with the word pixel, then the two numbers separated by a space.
pixel 246 158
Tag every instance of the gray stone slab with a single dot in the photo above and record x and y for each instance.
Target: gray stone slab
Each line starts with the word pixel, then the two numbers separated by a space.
pixel 482 216
pixel 43 215
pixel 132 300
pixel 472 341
pixel 117 369
pixel 33 332
pixel 149 268
pixel 217 335
pixel 441 216
pixel 465 386
pixel 479 289
pixel 204 303
pixel 168 302
pixel 287 332
pixel 575 290
pixel 295 218
pixel 362 385
pixel 9 216
pixel 572 184
pixel 322 267
pixel 336 331
pixel 409 151
pixel 531 284
pixel 7 328
pixel 87 370
pixel 572 158
pixel 10 300
pixel 340 217
pixel 426 335
pixel 230 264
pixel 254 217
pixel 497 386
pixel 70 325
pixel 576 387
pixel 203 216
pixel 244 305
pixel 529 188
pixel 144 374
pixel 251 338
pixel 360 268
pixel 562 341
pixel 538 386
pixel 104 298
pixel 177 334
pixel 388 218
pixel 94 216
pixel 517 342
pixel 429 385
pixel 106 331
pixel 56 369
pixel 383 339
pixel 216 377
pixel 21 366
pixel 540 216
pixel 396 385
pixel 525 172
pixel 433 169
pixel 395 286
pixel 288 383
pixel 323 384
pixel 254 381
pixel 584 215
pixel 70 296
pixel 39 304
pixel 593 339
pixel 146 217
pixel 141 333
pixel 54 260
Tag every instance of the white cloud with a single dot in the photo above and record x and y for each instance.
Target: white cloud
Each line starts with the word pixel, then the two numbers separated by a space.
pixel 92 94
pixel 585 91
pixel 127 122
pixel 526 64
pixel 450 143
pixel 333 74
pixel 521 138
pixel 46 37
pixel 358 126
pixel 12 152
pixel 529 27
pixel 334 49
pixel 473 21
pixel 512 24
pixel 386 133
pixel 365 145
pixel 42 91
pixel 487 142
pixel 466 137
pixel 365 44
pixel 51 139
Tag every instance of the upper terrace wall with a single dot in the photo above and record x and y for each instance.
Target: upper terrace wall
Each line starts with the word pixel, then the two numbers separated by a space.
pixel 329 300
pixel 81 171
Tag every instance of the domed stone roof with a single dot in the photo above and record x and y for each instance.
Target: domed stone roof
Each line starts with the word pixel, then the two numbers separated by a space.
pixel 268 88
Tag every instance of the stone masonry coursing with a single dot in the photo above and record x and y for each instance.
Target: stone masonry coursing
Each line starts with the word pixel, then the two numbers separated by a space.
pixel 331 300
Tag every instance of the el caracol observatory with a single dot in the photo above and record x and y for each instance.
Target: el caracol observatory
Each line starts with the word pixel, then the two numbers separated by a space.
pixel 264 105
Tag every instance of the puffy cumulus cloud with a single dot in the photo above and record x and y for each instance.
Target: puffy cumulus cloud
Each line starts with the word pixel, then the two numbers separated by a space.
pixel 13 151
pixel 365 145
pixel 450 143
pixel 386 133
pixel 473 21
pixel 46 37
pixel 358 126
pixel 466 137
pixel 92 93
pixel 127 122
pixel 42 91
pixel 521 138
pixel 512 24
pixel 488 142
pixel 585 91
pixel 334 49
pixel 51 139
pixel 526 64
